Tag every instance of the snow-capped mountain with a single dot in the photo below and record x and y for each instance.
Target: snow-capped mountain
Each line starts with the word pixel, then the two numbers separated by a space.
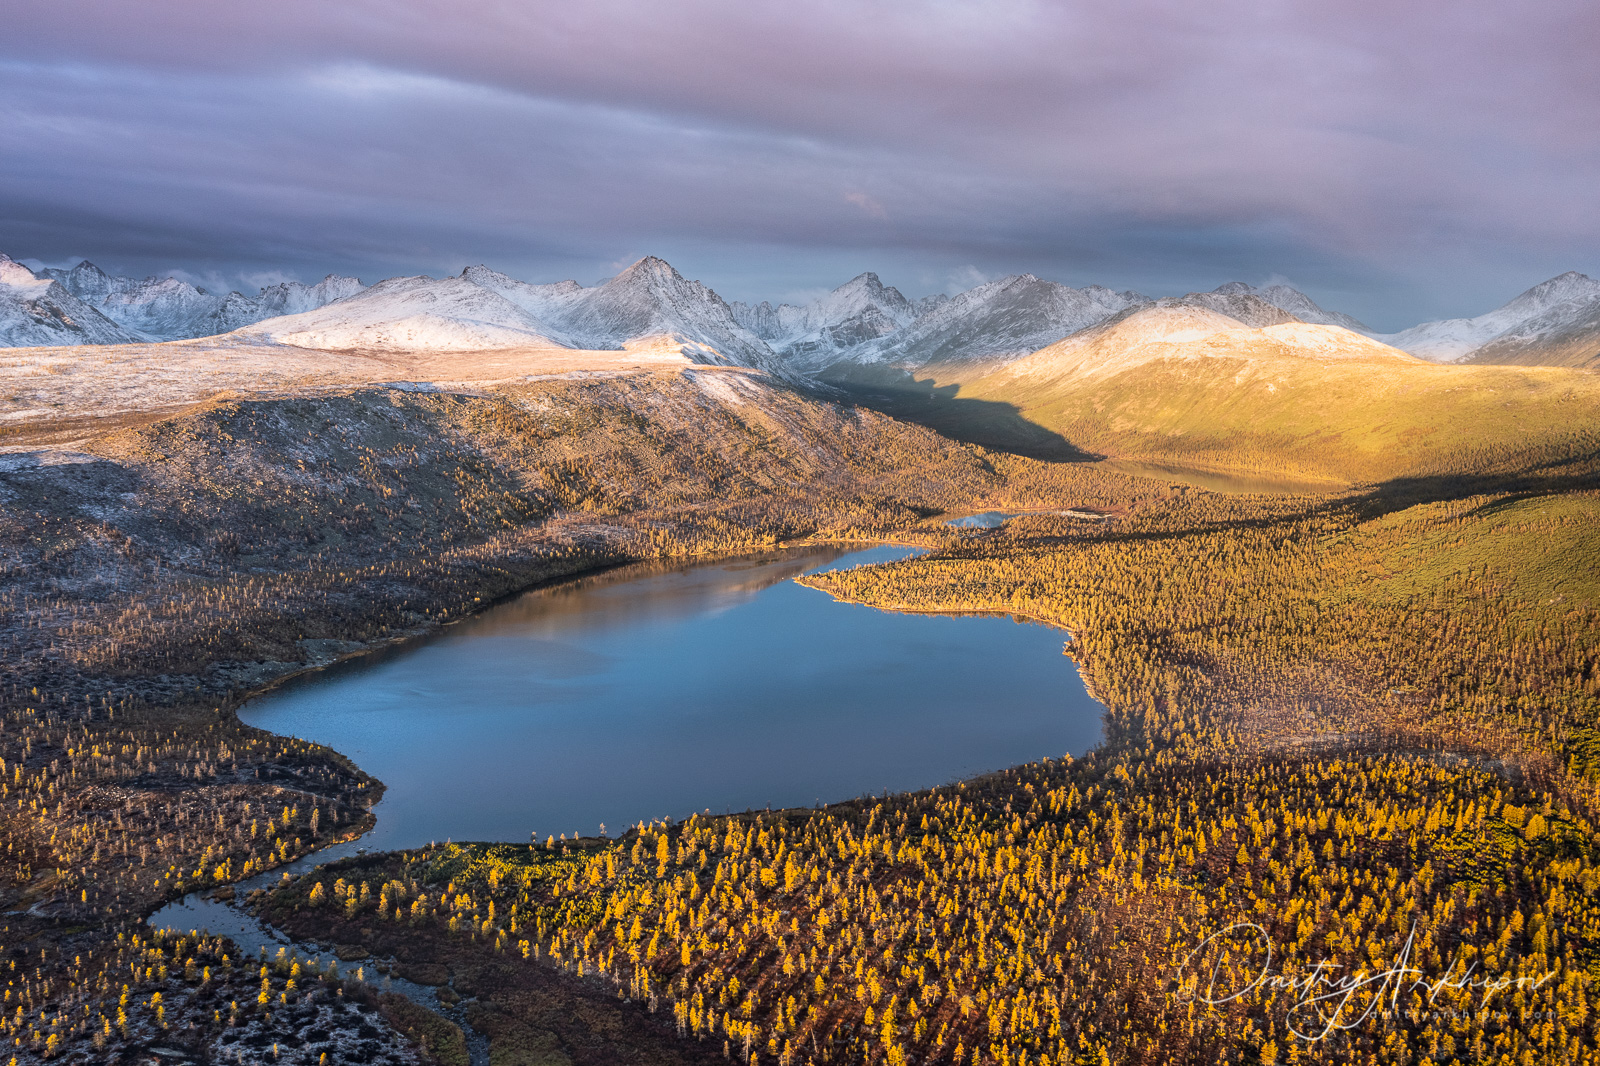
pixel 547 302
pixel 1549 315
pixel 168 309
pixel 860 310
pixel 769 323
pixel 649 303
pixel 1566 335
pixel 861 324
pixel 997 320
pixel 162 309
pixel 294 297
pixel 648 300
pixel 1236 301
pixel 1302 307
pixel 1186 329
pixel 651 299
pixel 37 311
pixel 414 313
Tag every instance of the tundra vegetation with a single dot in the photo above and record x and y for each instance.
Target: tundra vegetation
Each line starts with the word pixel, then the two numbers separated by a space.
pixel 1363 722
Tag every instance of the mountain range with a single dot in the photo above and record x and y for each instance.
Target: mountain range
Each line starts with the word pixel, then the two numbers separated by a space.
pixel 649 304
pixel 860 325
pixel 168 309
pixel 995 321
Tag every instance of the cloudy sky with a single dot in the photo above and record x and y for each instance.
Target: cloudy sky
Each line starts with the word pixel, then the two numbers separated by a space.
pixel 1400 161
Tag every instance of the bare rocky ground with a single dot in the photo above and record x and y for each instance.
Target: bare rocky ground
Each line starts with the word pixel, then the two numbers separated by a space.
pixel 166 565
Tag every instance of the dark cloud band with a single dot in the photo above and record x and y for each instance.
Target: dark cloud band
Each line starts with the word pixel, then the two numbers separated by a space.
pixel 1401 161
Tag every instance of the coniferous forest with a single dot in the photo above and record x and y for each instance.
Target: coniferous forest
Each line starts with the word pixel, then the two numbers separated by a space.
pixel 1088 554
pixel 1344 811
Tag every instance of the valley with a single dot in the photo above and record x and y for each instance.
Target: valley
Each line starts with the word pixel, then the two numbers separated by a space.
pixel 1196 390
pixel 1350 697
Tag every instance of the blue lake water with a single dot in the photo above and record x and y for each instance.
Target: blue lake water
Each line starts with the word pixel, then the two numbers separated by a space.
pixel 654 691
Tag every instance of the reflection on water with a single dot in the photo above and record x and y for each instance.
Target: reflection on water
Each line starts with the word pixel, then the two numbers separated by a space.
pixel 1215 481
pixel 662 690
pixel 985 520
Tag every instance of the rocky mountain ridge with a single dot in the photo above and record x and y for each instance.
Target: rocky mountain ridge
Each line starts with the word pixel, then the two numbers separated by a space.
pixel 863 323
pixel 168 309
pixel 36 312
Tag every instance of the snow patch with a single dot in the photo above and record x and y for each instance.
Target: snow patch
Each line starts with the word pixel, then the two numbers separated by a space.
pixel 719 386
pixel 414 313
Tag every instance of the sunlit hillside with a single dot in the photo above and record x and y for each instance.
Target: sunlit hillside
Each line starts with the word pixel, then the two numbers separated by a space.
pixel 1190 387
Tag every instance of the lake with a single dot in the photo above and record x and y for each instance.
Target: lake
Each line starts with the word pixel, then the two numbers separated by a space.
pixel 655 691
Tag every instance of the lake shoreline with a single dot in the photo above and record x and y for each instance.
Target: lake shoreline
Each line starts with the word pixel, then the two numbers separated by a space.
pixel 398 641
pixel 234 907
pixel 696 684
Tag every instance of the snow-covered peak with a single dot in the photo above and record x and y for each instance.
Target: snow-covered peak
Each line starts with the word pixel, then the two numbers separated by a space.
pixel 295 297
pixel 860 310
pixel 1170 321
pixel 541 300
pixel 169 308
pixel 643 266
pixel 413 313
pixel 651 299
pixel 1296 303
pixel 86 281
pixel 764 320
pixel 1545 296
pixel 166 309
pixel 998 320
pixel 16 276
pixel 1236 303
pixel 37 311
pixel 865 290
pixel 649 303
pixel 1306 309
pixel 1547 308
pixel 647 298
